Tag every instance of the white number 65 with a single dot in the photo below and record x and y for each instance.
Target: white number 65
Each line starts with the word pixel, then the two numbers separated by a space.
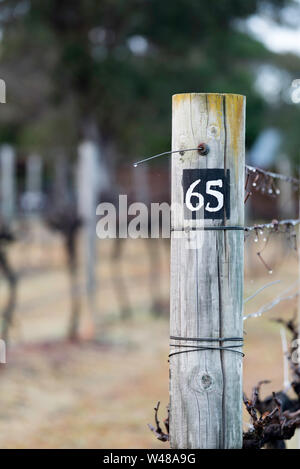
pixel 217 194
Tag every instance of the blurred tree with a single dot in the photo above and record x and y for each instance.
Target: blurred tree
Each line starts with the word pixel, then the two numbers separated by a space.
pixel 108 68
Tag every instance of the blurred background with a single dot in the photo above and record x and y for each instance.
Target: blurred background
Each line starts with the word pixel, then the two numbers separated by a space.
pixel 88 89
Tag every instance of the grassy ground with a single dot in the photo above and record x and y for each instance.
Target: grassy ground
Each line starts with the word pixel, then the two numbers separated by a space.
pixel 101 393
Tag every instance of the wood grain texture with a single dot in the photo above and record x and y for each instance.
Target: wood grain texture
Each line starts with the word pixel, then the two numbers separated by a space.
pixel 207 277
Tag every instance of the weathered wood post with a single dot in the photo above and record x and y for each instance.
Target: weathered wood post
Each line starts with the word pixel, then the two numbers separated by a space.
pixel 286 200
pixel 207 268
pixel 88 190
pixel 34 175
pixel 7 186
pixel 298 430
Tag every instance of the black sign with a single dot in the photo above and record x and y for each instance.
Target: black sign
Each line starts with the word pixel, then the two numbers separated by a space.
pixel 206 193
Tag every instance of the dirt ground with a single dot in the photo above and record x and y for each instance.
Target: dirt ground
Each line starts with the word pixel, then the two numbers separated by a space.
pixel 100 393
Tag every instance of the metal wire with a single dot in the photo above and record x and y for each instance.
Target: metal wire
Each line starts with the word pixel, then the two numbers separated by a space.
pixel 273 225
pixel 164 153
pixel 195 348
pixel 249 169
pixel 210 228
pixel 270 174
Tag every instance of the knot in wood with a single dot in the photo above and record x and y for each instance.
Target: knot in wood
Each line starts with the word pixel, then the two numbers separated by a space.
pixel 206 382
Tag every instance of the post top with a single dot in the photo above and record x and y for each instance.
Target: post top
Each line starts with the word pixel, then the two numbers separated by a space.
pixel 181 95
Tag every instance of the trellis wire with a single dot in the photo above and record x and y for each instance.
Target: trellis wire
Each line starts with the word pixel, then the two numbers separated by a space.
pixel 275 302
pixel 260 290
pixel 270 174
pixel 274 225
pixel 263 181
pixel 249 169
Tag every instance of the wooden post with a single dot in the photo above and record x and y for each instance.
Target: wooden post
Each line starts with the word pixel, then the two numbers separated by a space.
pixel 34 174
pixel 8 188
pixel 207 269
pixel 88 190
pixel 298 241
pixel 2 91
pixel 286 200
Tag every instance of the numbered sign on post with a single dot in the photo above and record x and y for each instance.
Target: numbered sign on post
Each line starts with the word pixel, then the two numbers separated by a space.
pixel 206 193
